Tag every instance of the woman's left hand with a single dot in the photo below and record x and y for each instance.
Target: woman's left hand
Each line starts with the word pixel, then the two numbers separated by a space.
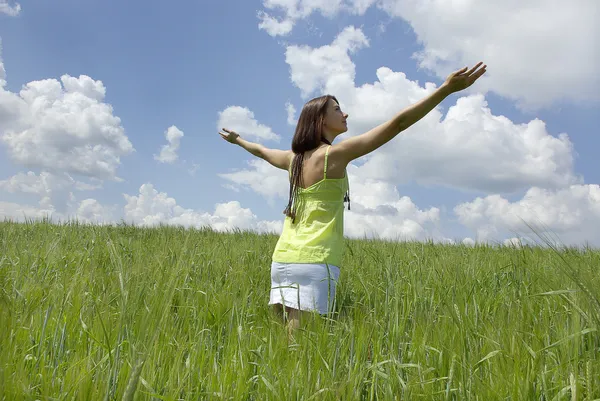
pixel 462 78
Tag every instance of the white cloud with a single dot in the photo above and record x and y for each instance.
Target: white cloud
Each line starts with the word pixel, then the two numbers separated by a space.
pixel 18 212
pixel 63 128
pixel 468 241
pixel 273 26
pixel 572 214
pixel 469 148
pixel 151 207
pixel 31 183
pixel 12 109
pixel 168 153
pixel 86 211
pixel 2 70
pixel 148 208
pixel 91 211
pixel 314 69
pixel 291 113
pixel 262 178
pixel 56 191
pixel 538 52
pixel 472 149
pixel 294 10
pixel 359 6
pixel 242 121
pixel 85 86
pixel 378 210
pixel 297 9
pixel 6 8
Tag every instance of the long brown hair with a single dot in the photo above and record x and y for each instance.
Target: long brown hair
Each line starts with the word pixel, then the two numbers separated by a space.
pixel 308 136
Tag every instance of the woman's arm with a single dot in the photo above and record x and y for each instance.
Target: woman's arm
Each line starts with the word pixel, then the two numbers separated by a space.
pixel 360 145
pixel 278 158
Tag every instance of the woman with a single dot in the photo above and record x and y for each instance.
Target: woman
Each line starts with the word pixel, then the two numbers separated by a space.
pixel 306 260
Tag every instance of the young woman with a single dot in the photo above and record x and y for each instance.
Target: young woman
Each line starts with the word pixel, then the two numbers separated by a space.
pixel 306 260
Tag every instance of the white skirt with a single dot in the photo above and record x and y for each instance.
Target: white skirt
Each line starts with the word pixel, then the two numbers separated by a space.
pixel 304 286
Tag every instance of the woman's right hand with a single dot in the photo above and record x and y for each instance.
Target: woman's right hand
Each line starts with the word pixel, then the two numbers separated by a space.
pixel 229 135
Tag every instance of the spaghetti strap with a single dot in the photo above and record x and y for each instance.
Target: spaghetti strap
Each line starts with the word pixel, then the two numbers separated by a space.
pixel 325 167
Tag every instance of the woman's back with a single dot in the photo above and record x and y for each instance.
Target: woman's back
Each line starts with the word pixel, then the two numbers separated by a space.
pixel 313 167
pixel 316 234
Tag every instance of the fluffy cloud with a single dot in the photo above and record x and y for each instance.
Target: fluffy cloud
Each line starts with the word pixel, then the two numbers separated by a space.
pixel 294 10
pixel 19 212
pixel 44 183
pixel 468 241
pixel 6 8
pixel 454 34
pixel 570 215
pixel 12 109
pixel 2 70
pixel 31 183
pixel 472 149
pixel 378 210
pixel 63 128
pixel 55 191
pixel 242 121
pixel 91 211
pixel 507 36
pixel 262 178
pixel 273 26
pixel 330 65
pixel 151 207
pixel 291 113
pixel 168 153
pixel 469 148
pixel 86 211
pixel 148 208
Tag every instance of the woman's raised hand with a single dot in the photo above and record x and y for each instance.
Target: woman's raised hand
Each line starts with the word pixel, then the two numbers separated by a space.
pixel 462 78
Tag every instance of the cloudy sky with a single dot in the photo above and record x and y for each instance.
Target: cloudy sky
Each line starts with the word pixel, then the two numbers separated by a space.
pixel 109 111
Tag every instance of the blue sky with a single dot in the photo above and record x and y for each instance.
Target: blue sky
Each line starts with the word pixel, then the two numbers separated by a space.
pixel 183 65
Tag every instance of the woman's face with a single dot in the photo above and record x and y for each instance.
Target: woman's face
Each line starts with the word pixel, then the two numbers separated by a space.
pixel 335 118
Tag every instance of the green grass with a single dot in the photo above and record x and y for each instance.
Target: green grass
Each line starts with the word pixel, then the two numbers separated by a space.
pixel 119 312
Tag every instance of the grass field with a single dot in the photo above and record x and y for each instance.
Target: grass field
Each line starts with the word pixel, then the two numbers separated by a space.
pixel 119 312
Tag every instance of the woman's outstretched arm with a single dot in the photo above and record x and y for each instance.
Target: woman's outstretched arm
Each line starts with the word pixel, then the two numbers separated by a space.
pixel 276 157
pixel 360 145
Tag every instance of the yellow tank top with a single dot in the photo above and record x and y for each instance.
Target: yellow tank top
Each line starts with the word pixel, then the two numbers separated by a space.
pixel 317 236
